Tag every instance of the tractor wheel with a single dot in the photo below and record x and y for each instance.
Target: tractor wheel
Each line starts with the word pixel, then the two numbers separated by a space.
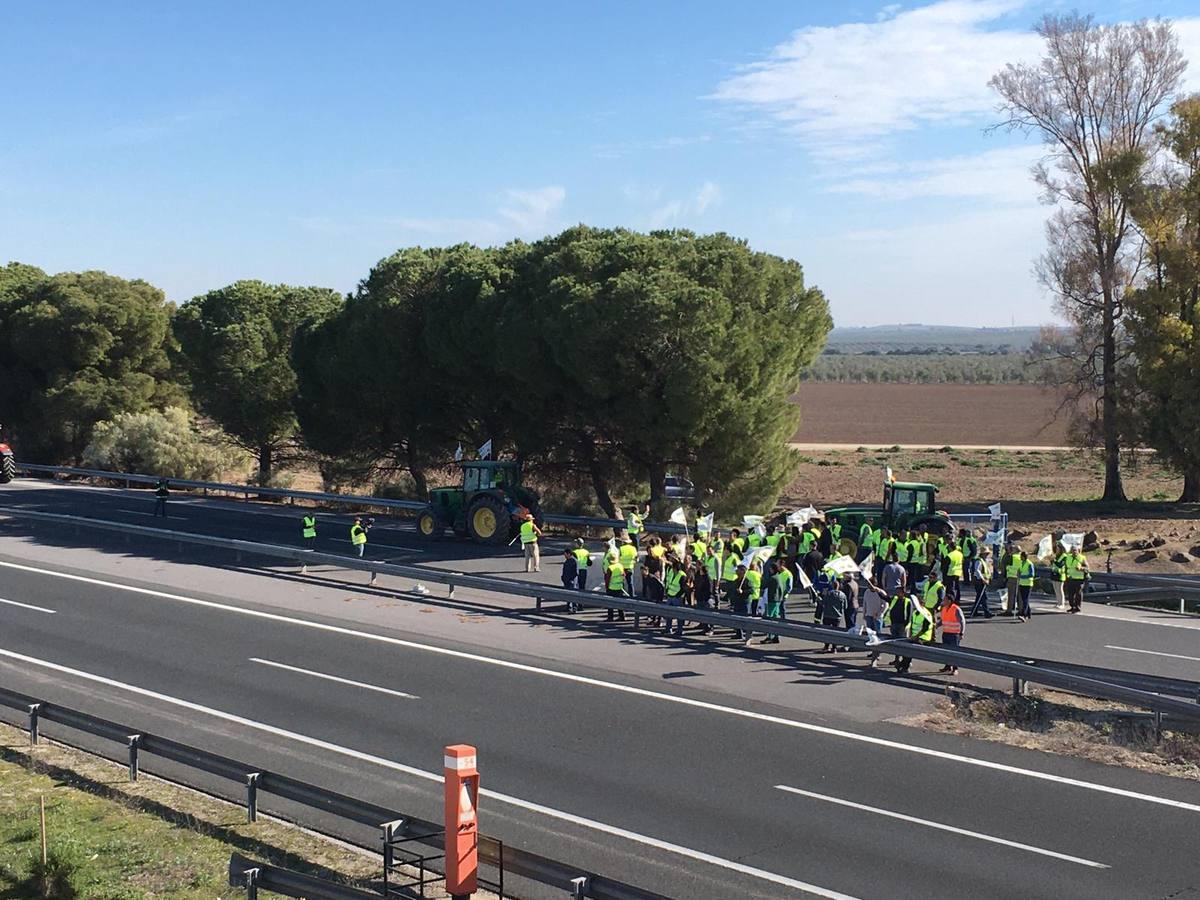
pixel 428 526
pixel 488 520
pixel 848 547
pixel 8 470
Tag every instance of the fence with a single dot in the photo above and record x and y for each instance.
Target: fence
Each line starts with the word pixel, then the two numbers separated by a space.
pixel 257 780
pixel 1020 670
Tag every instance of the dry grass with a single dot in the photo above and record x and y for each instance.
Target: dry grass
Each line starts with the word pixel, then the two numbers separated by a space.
pixel 149 838
pixel 1067 725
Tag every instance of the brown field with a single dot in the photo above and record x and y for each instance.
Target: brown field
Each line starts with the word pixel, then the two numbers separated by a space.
pixel 1015 415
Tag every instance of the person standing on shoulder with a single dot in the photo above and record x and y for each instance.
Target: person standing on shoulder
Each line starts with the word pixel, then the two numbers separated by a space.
pixel 358 537
pixel 583 562
pixel 1012 579
pixel 1026 574
pixel 635 523
pixel 162 490
pixel 614 585
pixel 1076 568
pixel 954 626
pixel 673 586
pixel 629 555
pixel 954 570
pixel 833 607
pixel 981 574
pixel 570 571
pixel 529 543
pixel 308 530
pixel 920 630
pixel 1059 577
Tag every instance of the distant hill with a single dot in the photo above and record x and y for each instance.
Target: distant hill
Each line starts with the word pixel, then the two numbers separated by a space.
pixel 951 338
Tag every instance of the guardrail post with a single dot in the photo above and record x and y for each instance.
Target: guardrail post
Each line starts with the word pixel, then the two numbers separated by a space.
pixel 134 741
pixel 450 592
pixel 389 852
pixel 1158 725
pixel 538 600
pixel 374 578
pixel 35 710
pixel 579 887
pixel 1018 687
pixel 252 796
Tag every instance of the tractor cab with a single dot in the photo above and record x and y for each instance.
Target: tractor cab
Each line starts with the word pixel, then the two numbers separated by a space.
pixel 905 502
pixel 488 507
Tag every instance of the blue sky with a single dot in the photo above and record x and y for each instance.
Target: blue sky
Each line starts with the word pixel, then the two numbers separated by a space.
pixel 193 145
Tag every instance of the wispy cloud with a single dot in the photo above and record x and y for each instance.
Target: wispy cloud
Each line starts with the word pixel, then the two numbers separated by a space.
pixel 707 196
pixel 532 210
pixel 1001 175
pixel 628 148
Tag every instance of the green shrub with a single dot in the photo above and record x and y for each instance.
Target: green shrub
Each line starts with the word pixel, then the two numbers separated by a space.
pixel 161 443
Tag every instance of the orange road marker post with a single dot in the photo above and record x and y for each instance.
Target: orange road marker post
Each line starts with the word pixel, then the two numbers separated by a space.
pixel 462 821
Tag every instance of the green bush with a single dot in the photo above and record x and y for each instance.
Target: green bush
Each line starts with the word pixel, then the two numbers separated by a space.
pixel 160 443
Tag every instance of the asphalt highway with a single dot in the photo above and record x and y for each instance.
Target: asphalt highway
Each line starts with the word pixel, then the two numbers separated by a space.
pixel 690 791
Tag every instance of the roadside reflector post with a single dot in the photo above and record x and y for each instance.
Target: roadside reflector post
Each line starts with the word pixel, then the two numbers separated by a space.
pixel 36 708
pixel 462 823
pixel 252 796
pixel 135 742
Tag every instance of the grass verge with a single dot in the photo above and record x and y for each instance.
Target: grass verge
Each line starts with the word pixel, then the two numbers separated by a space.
pixel 109 839
pixel 1068 725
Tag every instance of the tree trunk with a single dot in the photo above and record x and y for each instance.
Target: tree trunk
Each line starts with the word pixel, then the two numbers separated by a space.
pixel 658 486
pixel 1191 487
pixel 1114 490
pixel 266 462
pixel 417 471
pixel 600 486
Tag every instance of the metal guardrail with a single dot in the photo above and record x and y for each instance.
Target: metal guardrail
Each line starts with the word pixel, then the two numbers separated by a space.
pixel 1020 669
pixel 252 875
pixel 258 780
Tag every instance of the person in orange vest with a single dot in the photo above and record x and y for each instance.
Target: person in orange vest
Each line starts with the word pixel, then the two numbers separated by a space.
pixel 954 626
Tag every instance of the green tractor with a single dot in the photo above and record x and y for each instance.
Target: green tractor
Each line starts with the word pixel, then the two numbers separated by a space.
pixel 488 508
pixel 907 505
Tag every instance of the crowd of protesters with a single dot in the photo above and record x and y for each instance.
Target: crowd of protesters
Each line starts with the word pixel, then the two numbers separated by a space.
pixel 903 586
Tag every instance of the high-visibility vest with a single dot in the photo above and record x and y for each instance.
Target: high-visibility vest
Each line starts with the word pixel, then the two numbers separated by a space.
pixel 738 546
pixel 1060 567
pixel 754 580
pixel 835 531
pixel 916 551
pixel 731 564
pixel 616 577
pixel 774 539
pixel 699 549
pixel 528 535
pixel 920 624
pixel 783 581
pixel 633 523
pixel 674 582
pixel 358 534
pixel 1076 563
pixel 956 563
pixel 1027 574
pixel 713 566
pixel 864 532
pixel 930 595
pixel 890 613
pixel 753 539
pixel 628 554
pixel 903 551
pixel 969 545
pixel 658 551
pixel 1013 569
pixel 583 559
pixel 717 546
pixel 807 540
pixel 883 547
pixel 310 526
pixel 951 623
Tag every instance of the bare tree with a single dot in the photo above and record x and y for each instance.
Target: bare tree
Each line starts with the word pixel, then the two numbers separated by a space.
pixel 1094 98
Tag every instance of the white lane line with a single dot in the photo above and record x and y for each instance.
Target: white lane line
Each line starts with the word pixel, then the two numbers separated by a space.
pixel 940 827
pixel 627 689
pixel 339 680
pixel 29 606
pixel 433 776
pixel 1152 652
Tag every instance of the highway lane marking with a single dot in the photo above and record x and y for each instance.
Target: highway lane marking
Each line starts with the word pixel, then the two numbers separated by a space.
pixel 1152 652
pixel 362 756
pixel 627 689
pixel 940 827
pixel 338 679
pixel 41 609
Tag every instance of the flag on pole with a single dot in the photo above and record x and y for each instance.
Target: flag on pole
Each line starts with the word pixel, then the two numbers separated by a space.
pixel 891 479
pixel 1045 547
pixel 994 538
pixel 805 581
pixel 458 454
pixel 679 517
pixel 843 565
pixel 994 509
pixel 485 452
pixel 704 524
pixel 751 521
pixel 803 516
pixel 867 566
pixel 1073 541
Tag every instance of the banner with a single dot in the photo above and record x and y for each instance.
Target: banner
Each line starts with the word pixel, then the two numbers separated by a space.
pixel 995 538
pixel 751 521
pixel 994 509
pixel 843 565
pixel 1045 547
pixel 1073 541
pixel 704 525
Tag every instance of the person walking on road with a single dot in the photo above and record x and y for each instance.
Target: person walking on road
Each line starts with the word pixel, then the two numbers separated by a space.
pixel 981 574
pixel 162 490
pixel 1026 573
pixel 741 597
pixel 1077 572
pixel 954 626
pixel 628 555
pixel 953 567
pixel 874 603
pixel 673 585
pixel 920 630
pixel 358 537
pixel 529 543
pixel 583 562
pixel 570 571
pixel 833 607
pixel 614 585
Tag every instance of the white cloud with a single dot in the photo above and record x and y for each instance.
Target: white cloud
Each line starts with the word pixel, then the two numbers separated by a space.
pixel 843 84
pixel 533 210
pixel 707 196
pixel 1001 175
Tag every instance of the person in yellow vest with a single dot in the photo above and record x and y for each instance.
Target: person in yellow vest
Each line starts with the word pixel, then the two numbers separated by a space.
pixel 954 626
pixel 1059 577
pixel 954 571
pixel 628 555
pixel 529 543
pixel 583 562
pixel 920 631
pixel 1012 579
pixel 358 537
pixel 1026 575
pixel 737 543
pixel 308 530
pixel 635 524
pixel 614 585
pixel 1076 568
pixel 674 583
pixel 730 576
pixel 835 532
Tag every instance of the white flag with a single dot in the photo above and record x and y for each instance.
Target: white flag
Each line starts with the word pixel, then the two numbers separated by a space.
pixel 760 530
pixel 704 525
pixel 867 566
pixel 458 454
pixel 994 509
pixel 994 537
pixel 485 452
pixel 891 479
pixel 843 565
pixel 802 516
pixel 679 517
pixel 1045 547
pixel 751 521
pixel 763 553
pixel 1073 541
pixel 805 581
